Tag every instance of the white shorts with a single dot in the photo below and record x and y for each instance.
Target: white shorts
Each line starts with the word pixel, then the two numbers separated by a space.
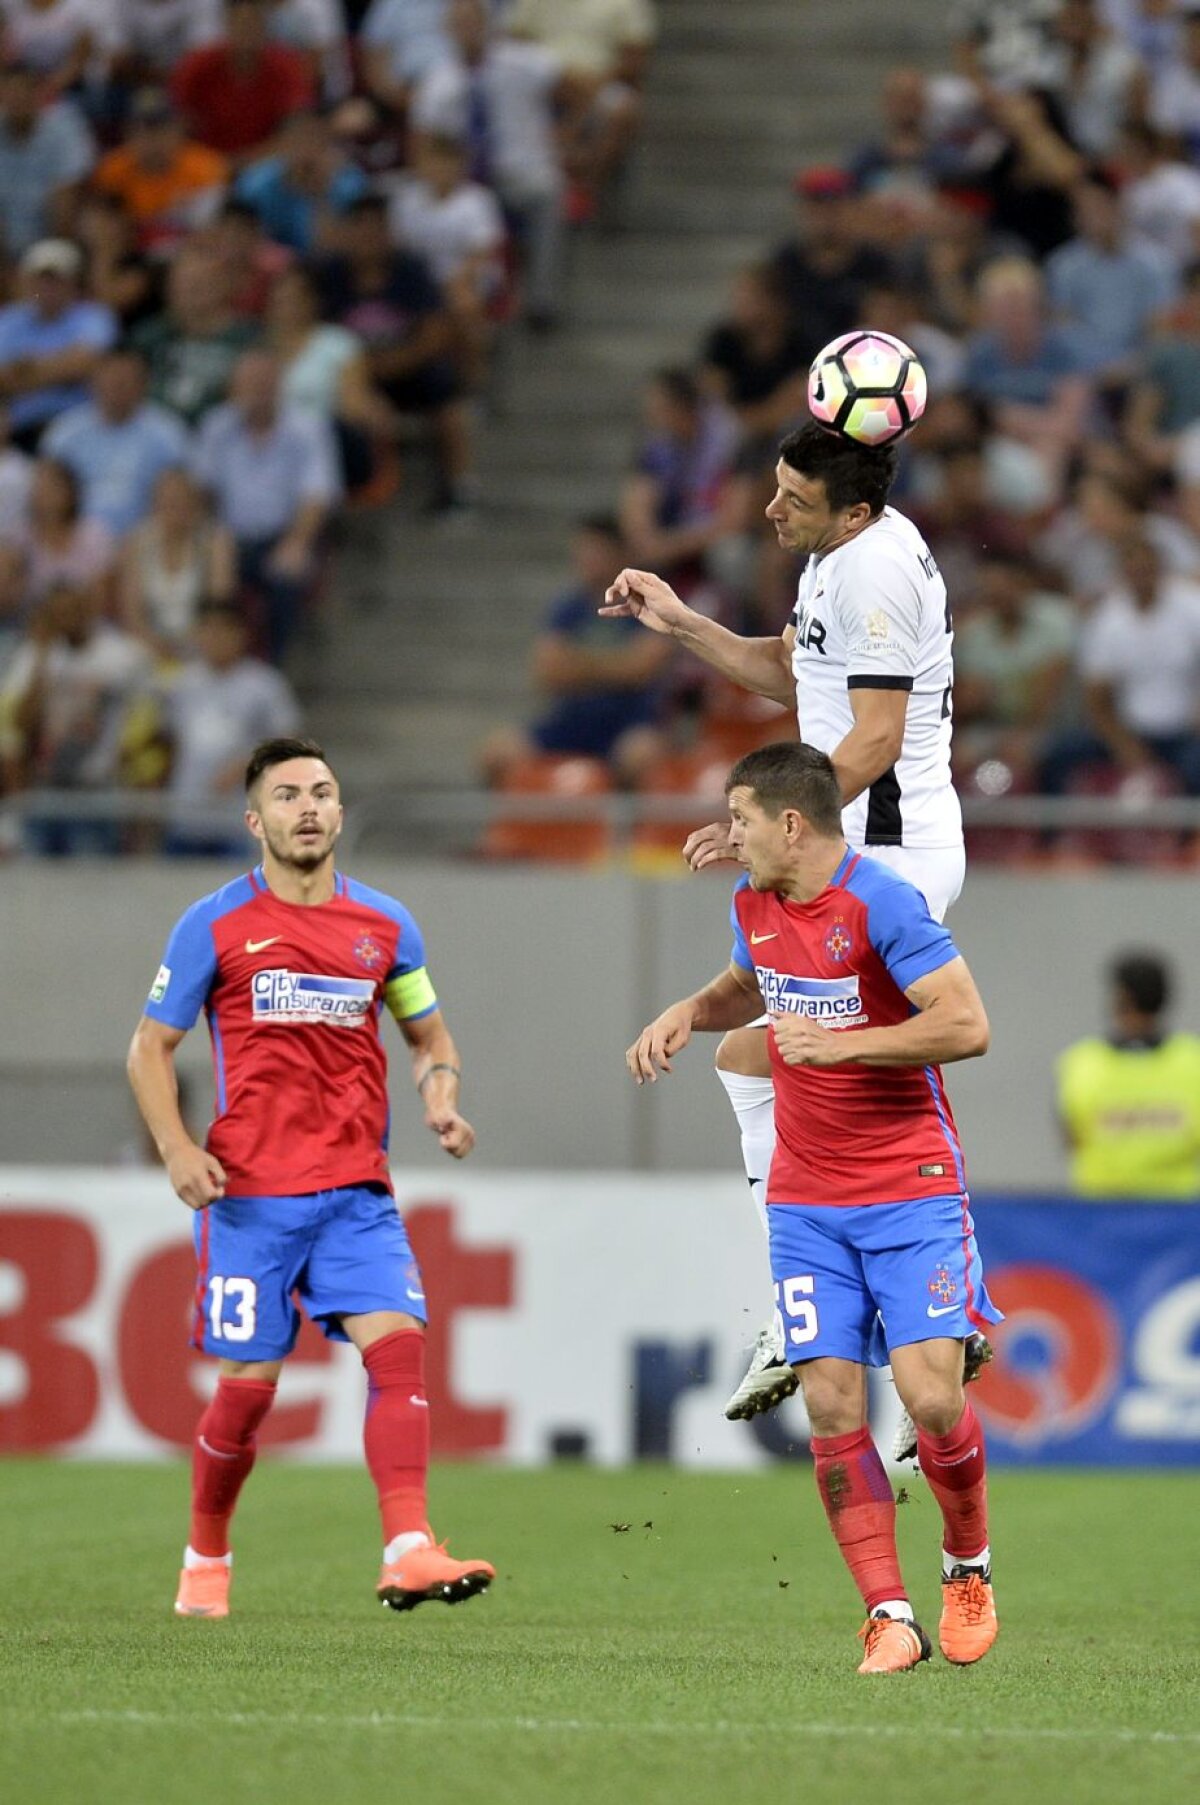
pixel 937 872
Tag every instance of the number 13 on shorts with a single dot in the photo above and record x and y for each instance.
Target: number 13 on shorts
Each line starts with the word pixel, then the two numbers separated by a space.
pixel 797 1311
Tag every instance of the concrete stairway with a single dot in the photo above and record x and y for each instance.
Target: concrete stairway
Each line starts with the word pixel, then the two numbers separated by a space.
pixel 423 645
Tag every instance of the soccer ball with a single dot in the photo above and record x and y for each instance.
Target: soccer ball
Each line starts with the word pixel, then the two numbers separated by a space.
pixel 867 385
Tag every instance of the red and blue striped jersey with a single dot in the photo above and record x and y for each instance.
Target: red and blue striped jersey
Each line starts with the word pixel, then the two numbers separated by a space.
pixel 293 996
pixel 851 1134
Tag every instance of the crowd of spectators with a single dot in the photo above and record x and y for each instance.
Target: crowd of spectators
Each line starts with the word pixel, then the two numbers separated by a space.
pixel 249 248
pixel 1028 218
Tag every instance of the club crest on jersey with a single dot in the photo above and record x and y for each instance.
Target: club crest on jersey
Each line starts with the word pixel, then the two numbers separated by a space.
pixel 834 1002
pixel 368 952
pixel 878 625
pixel 942 1286
pixel 296 997
pixel 837 941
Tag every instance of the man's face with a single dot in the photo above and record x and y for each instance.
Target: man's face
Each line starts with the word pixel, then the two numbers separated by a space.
pixel 296 812
pixel 597 558
pixel 800 512
pixel 255 387
pixel 19 100
pixel 758 840
pixel 119 387
pixel 50 293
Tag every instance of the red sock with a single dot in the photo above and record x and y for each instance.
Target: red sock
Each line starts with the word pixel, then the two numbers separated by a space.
pixel 396 1430
pixel 955 1467
pixel 857 1496
pixel 222 1456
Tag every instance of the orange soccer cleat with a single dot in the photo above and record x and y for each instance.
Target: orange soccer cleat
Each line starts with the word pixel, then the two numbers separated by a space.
pixel 892 1645
pixel 429 1573
pixel 204 1591
pixel 968 1626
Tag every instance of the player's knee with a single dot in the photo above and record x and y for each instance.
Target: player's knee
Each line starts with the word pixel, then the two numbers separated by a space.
pixel 833 1409
pixel 744 1051
pixel 934 1405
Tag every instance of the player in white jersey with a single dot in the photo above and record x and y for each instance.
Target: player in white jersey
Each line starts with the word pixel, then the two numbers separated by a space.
pixel 867 661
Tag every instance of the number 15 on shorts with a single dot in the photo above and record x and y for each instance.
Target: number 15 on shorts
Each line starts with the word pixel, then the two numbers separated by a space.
pixel 797 1311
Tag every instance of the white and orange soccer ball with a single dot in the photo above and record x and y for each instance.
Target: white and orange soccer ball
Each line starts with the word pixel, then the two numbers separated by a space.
pixel 867 385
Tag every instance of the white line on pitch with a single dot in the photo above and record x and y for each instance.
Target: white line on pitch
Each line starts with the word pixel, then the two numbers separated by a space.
pixel 552 1726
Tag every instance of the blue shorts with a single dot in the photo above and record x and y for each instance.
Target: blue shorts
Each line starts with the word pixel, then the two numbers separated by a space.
pixel 916 1264
pixel 342 1252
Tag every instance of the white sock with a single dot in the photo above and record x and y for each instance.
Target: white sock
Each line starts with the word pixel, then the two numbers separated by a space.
pixel 192 1560
pixel 753 1103
pixel 981 1560
pixel 897 1608
pixel 412 1538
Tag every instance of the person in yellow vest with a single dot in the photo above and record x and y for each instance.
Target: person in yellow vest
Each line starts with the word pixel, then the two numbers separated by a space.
pixel 1130 1103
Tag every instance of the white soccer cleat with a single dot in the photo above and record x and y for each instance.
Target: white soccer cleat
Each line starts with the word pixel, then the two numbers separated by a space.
pixel 769 1379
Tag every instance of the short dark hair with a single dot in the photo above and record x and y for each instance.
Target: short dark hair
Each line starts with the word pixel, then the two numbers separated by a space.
pixel 1144 979
pixel 679 384
pixel 851 472
pixel 605 526
pixel 220 607
pixel 791 774
pixel 277 752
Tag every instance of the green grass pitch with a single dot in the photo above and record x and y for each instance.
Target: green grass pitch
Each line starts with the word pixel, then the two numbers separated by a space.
pixel 652 1636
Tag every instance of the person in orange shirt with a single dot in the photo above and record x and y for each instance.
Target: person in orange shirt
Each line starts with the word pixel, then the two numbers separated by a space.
pixel 169 183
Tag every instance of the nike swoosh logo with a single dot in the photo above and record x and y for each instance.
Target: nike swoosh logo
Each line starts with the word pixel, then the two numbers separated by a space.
pixel 757 939
pixel 424 1404
pixel 258 946
pixel 418 1297
pixel 942 1310
pixel 215 1452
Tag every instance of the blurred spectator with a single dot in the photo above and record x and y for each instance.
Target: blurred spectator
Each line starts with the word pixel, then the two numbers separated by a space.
pixel 45 153
pixel 16 477
pixel 389 298
pixel 1160 200
pixel 317 30
pixel 237 93
pixel 604 47
pixel 51 340
pixel 1028 369
pixel 272 473
pixel 1012 662
pixel 70 43
pixel 901 161
pixel 119 274
pixel 1129 1103
pixel 301 192
pixel 1109 504
pixel 14 617
pixel 604 687
pixel 1140 662
pixel 1029 183
pixel 159 34
pixel 1174 105
pixel 118 444
pixel 824 269
pixel 960 518
pixel 63 707
pixel 944 266
pixel 456 225
pixel 401 41
pixel 675 506
pixel 249 259
pixel 175 559
pixel 192 346
pixel 1151 28
pixel 325 372
pixel 755 360
pixel 1165 396
pixel 168 184
pixel 1105 291
pixel 507 101
pixel 58 543
pixel 1102 81
pixel 1009 42
pixel 218 708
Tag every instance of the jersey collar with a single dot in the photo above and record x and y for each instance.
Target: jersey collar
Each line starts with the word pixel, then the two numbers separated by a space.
pixel 258 882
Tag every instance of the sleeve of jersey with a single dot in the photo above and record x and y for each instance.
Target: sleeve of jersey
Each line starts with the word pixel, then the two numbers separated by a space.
pixel 880 612
pixel 408 991
pixel 740 952
pixel 187 971
pixel 905 935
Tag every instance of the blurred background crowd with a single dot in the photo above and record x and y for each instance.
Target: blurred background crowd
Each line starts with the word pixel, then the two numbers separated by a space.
pixel 264 264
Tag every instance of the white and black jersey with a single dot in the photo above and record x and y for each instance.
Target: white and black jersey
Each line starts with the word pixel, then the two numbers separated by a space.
pixel 873 614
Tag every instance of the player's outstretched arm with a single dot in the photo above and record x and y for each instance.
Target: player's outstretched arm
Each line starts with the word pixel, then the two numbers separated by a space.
pixel 761 665
pixel 197 1176
pixel 950 1024
pixel 436 1073
pixel 730 1001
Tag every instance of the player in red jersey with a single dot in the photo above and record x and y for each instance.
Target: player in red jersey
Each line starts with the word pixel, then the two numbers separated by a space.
pixel 293 965
pixel 867 1204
